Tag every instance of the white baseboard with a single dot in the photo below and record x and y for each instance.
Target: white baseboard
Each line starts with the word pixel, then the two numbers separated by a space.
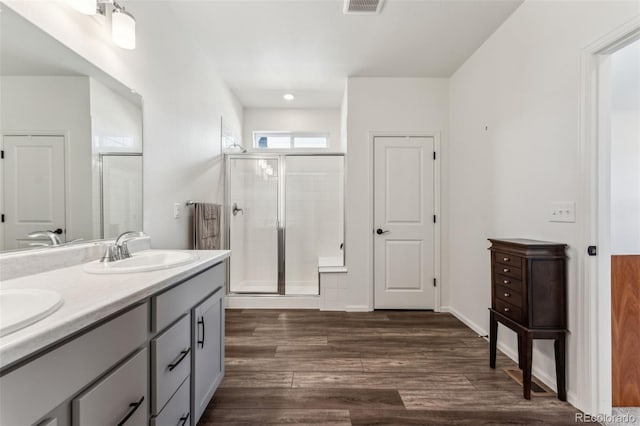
pixel 275 302
pixel 547 379
pixel 357 308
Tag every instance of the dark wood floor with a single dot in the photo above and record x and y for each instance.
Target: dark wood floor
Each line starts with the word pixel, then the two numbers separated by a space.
pixel 374 368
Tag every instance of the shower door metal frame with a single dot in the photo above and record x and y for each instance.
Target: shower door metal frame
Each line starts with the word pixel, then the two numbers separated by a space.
pixel 281 215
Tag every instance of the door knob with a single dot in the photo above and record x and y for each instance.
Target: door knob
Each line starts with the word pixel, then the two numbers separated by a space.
pixel 379 231
pixel 58 231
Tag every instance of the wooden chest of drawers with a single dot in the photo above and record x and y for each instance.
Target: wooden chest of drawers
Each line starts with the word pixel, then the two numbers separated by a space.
pixel 529 284
pixel 528 295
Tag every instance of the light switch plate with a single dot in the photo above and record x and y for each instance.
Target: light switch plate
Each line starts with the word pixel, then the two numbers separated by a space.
pixel 177 210
pixel 562 211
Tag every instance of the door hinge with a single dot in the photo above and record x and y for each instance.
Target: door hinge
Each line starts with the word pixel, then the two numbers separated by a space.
pixel 2 155
pixel 434 155
pixel 2 218
pixel 434 218
pixel 592 251
pixel 434 282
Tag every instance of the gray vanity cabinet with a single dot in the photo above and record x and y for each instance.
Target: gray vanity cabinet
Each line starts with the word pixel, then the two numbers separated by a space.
pixel 208 351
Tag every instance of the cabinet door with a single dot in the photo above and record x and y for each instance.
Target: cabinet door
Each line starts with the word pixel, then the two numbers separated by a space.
pixel 208 352
pixel 120 398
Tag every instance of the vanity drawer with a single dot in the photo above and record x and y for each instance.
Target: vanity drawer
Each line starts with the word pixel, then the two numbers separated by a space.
pixel 170 362
pixel 508 295
pixel 508 310
pixel 176 412
pixel 168 306
pixel 508 259
pixel 118 398
pixel 509 271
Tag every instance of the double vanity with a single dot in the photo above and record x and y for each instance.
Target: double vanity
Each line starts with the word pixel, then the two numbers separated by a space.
pixel 138 341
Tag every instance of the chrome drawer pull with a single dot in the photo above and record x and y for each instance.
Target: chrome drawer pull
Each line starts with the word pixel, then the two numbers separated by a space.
pixel 505 259
pixel 507 295
pixel 507 310
pixel 506 281
pixel 505 270
pixel 175 363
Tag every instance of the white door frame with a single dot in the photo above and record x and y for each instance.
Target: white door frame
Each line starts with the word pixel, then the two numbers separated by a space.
pixel 436 208
pixel 594 299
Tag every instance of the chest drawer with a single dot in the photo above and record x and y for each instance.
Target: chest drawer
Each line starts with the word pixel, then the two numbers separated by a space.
pixel 511 283
pixel 512 297
pixel 508 259
pixel 170 362
pixel 508 310
pixel 119 398
pixel 508 271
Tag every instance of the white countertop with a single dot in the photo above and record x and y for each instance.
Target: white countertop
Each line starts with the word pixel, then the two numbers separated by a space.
pixel 89 298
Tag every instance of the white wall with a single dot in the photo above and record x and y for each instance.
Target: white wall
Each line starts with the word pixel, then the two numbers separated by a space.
pixel 184 98
pixel 625 150
pixel 384 105
pixel 61 105
pixel 514 148
pixel 293 120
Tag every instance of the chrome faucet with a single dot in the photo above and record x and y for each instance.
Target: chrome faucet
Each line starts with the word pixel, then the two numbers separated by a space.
pixel 51 235
pixel 119 250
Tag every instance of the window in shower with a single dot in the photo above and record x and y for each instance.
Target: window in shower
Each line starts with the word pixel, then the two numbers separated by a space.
pixel 286 213
pixel 290 140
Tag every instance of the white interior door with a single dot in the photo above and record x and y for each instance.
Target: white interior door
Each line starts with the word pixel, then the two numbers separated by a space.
pixel 404 226
pixel 33 187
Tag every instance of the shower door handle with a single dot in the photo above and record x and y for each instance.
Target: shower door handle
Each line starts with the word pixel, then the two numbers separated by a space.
pixel 235 210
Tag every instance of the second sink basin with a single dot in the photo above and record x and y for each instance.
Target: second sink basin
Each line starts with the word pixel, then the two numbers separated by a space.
pixel 143 261
pixel 21 307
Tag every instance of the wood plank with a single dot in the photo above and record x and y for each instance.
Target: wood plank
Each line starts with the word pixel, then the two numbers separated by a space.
pixel 382 381
pixel 445 417
pixel 241 351
pixel 625 330
pixel 286 364
pixel 275 417
pixel 306 398
pixel 261 379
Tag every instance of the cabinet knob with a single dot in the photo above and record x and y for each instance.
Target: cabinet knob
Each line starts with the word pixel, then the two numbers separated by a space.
pixel 505 270
pixel 505 259
pixel 506 281
pixel 507 310
pixel 507 295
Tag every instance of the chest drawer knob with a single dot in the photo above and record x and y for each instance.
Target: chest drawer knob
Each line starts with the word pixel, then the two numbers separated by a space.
pixel 505 259
pixel 506 281
pixel 507 295
pixel 505 270
pixel 507 310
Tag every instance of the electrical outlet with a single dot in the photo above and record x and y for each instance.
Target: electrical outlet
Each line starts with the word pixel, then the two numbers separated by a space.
pixel 177 210
pixel 562 211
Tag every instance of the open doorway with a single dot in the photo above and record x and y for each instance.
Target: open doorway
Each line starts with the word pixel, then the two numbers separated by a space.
pixel 611 174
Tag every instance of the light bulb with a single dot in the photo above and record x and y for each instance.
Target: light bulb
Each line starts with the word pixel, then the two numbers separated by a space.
pixel 87 7
pixel 123 29
pixel 288 97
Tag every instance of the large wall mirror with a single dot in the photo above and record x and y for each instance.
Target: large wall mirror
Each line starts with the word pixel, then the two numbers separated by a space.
pixel 71 136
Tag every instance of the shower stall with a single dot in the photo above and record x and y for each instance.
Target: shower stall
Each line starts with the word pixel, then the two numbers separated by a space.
pixel 285 214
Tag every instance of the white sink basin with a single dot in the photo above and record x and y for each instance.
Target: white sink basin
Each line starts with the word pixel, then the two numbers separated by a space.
pixel 22 307
pixel 143 261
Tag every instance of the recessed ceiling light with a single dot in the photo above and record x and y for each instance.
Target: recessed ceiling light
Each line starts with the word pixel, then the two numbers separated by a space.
pixel 288 97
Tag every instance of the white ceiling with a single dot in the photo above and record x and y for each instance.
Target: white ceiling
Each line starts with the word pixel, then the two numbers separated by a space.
pixel 266 48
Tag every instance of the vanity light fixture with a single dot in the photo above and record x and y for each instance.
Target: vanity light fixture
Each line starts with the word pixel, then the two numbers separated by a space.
pixel 288 97
pixel 123 27
pixel 123 24
pixel 86 7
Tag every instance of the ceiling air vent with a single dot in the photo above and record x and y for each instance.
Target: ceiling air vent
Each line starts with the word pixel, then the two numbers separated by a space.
pixel 362 6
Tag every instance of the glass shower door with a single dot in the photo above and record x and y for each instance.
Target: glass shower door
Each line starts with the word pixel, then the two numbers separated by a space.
pixel 253 225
